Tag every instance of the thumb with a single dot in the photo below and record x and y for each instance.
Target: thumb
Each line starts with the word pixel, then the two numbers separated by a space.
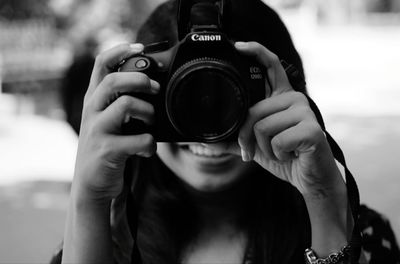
pixel 277 77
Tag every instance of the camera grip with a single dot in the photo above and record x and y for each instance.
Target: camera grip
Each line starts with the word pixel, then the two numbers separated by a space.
pixel 137 63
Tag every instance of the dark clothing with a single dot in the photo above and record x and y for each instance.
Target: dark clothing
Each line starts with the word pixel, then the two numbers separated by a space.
pixel 287 227
pixel 379 242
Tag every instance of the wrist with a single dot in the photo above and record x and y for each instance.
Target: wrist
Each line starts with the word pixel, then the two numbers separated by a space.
pixel 88 231
pixel 328 205
pixel 324 194
pixel 331 221
pixel 330 185
pixel 85 199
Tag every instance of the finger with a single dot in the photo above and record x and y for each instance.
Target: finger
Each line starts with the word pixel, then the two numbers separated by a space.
pixel 142 145
pixel 265 108
pixel 277 77
pixel 267 128
pixel 106 62
pixel 302 138
pixel 118 83
pixel 123 109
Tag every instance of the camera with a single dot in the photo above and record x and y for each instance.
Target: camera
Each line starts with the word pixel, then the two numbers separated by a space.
pixel 207 86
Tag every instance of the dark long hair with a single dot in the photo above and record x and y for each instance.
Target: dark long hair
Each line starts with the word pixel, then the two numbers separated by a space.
pixel 276 219
pixel 274 216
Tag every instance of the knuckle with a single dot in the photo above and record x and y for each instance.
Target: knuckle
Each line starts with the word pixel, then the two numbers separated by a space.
pixel 242 137
pixel 148 140
pixel 315 130
pixel 124 103
pixel 277 142
pixel 259 50
pixel 150 110
pixel 275 59
pixel 299 98
pixel 304 111
pixel 254 109
pixel 149 145
pixel 312 131
pixel 259 127
pixel 100 59
pixel 111 79
pixel 142 79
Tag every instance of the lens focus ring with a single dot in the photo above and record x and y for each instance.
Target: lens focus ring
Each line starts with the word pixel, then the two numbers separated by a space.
pixel 206 100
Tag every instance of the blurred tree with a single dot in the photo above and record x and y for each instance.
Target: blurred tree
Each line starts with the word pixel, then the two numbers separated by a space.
pixel 24 9
pixel 378 5
pixel 140 9
pixel 285 4
pixel 396 6
pixel 333 11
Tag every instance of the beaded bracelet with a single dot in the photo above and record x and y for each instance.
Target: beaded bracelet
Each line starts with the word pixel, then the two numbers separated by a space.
pixel 334 258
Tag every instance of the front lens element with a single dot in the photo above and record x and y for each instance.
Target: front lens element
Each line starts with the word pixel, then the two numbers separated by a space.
pixel 206 101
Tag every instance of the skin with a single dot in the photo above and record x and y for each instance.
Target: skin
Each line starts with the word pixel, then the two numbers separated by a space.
pixel 280 133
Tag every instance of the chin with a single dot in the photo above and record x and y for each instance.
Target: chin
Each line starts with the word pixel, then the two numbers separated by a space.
pixel 210 182
pixel 202 168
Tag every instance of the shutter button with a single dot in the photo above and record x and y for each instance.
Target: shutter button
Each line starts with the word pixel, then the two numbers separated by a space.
pixel 142 63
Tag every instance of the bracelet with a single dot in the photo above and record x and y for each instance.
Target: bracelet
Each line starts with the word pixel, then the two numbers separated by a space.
pixel 334 258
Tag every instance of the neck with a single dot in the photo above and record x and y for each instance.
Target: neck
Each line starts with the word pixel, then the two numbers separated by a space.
pixel 223 208
pixel 222 235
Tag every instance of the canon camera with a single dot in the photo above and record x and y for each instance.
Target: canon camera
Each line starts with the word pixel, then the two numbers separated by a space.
pixel 207 86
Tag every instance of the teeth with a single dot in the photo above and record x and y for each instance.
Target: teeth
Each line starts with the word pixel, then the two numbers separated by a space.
pixel 203 151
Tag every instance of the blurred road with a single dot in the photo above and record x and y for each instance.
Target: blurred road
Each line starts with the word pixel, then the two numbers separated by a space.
pixel 352 75
pixel 32 221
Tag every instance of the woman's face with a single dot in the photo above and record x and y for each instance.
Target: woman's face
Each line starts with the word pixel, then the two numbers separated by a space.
pixel 201 167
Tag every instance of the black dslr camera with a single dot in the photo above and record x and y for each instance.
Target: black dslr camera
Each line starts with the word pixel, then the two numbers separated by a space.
pixel 207 87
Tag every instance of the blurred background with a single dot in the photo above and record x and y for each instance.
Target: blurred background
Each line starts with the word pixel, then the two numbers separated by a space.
pixel 351 53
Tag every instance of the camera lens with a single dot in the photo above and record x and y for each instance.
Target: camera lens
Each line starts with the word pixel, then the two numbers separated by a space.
pixel 206 100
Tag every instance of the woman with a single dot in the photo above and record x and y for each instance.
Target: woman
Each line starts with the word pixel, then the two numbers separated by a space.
pixel 262 199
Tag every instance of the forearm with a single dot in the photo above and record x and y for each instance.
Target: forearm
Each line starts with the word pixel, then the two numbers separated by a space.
pixel 331 219
pixel 87 236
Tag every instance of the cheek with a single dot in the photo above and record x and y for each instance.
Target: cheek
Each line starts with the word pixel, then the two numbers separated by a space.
pixel 171 157
pixel 169 154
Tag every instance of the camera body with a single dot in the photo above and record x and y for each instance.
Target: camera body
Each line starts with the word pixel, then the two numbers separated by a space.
pixel 207 86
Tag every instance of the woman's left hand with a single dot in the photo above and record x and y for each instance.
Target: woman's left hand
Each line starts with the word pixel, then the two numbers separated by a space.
pixel 281 132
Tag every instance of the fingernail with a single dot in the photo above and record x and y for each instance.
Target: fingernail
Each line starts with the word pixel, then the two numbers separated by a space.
pixel 155 86
pixel 241 44
pixel 127 119
pixel 245 155
pixel 136 47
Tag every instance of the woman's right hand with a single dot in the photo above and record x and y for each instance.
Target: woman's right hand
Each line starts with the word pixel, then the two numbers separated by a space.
pixel 102 149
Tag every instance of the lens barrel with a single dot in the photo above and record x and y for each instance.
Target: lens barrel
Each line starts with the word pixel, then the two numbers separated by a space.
pixel 206 100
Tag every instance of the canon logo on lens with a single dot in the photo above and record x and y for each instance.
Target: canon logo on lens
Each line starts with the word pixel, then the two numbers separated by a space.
pixel 197 37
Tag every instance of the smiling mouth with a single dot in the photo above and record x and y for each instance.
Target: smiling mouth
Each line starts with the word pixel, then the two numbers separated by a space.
pixel 202 151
